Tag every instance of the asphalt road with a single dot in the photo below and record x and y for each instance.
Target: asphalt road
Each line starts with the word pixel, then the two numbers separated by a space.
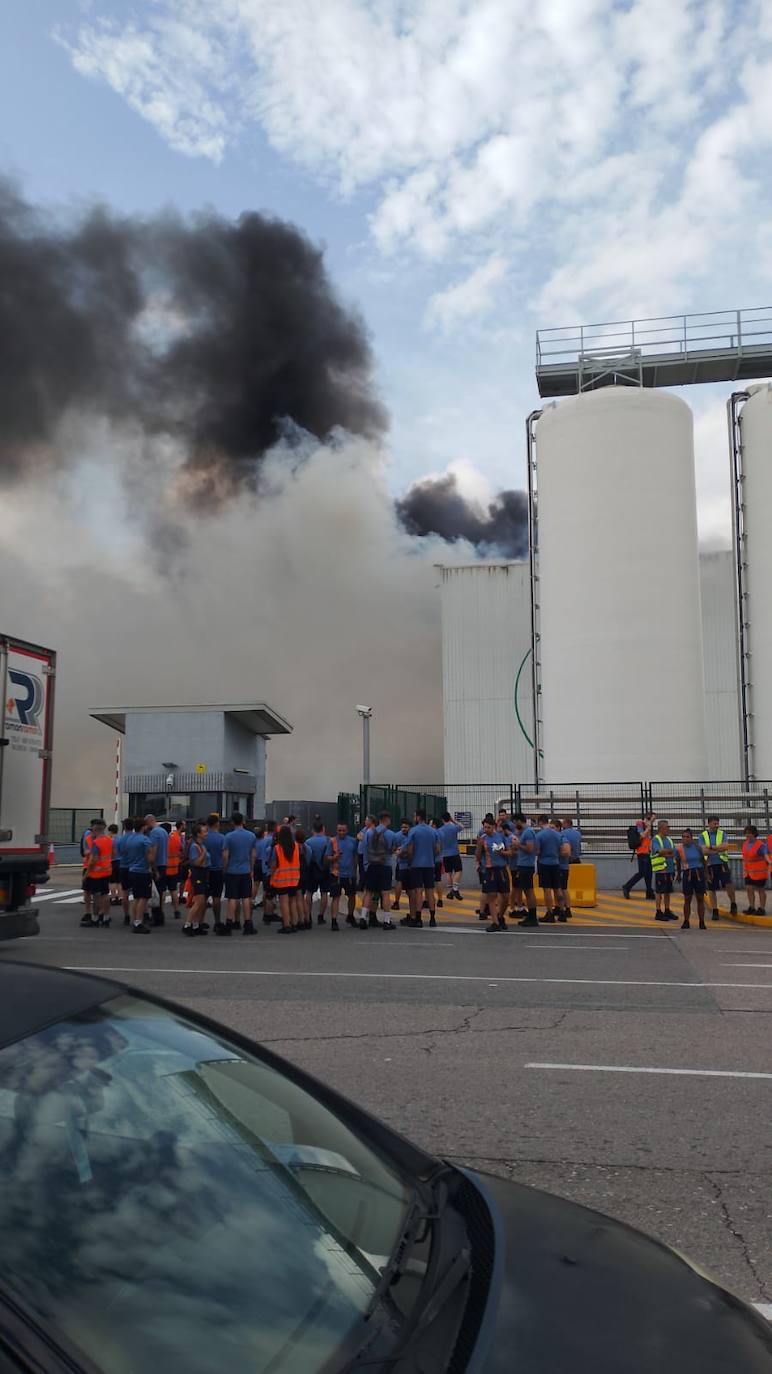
pixel 447 1035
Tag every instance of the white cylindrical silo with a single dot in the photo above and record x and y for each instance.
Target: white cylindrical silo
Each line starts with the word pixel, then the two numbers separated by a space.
pixel 756 431
pixel 619 597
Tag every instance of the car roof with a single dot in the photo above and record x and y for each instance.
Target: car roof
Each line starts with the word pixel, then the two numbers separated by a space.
pixel 33 996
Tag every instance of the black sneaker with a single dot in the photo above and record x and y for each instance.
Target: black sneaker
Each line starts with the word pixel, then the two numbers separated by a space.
pixel 127 920
pixel 670 915
pixel 625 893
pixel 715 916
pixel 236 925
pixel 140 928
pixel 362 923
pixel 685 925
pixel 334 924
pixel 651 896
pixel 425 906
pixel 703 925
pixel 187 929
pixel 531 921
pixel 158 919
pixel 661 916
pixel 568 913
pixel 285 930
pixel 321 920
pixel 177 916
pixel 563 917
pixel 351 921
pixel 439 901
pixel 200 930
pixel 219 928
pixel 493 928
pixel 395 905
pixel 249 928
pixel 88 923
pixel 733 909
pixel 548 919
pixel 433 919
pixel 373 920
pixel 155 911
pixel 749 911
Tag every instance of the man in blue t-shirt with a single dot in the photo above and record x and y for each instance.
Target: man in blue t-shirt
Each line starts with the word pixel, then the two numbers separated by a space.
pixel 316 876
pixel 423 848
pixel 491 855
pixel 450 854
pixel 524 845
pixel 342 874
pixel 265 860
pixel 238 861
pixel 379 842
pixel 214 844
pixel 139 857
pixel 547 847
pixel 159 838
pixel 403 865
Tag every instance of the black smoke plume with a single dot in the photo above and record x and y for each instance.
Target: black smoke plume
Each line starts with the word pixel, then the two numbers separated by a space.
pixel 224 336
pixel 436 506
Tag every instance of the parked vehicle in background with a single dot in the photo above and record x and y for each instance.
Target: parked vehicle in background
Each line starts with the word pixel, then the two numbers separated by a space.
pixel 27 675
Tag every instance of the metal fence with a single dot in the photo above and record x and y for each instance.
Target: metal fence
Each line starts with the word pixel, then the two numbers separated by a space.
pixel 67 823
pixel 603 811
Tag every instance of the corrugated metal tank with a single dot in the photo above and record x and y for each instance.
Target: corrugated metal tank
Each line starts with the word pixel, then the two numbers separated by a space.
pixel 756 430
pixel 722 731
pixel 486 633
pixel 621 635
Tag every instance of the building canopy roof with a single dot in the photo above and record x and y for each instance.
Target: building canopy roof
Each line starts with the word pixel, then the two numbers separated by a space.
pixel 254 716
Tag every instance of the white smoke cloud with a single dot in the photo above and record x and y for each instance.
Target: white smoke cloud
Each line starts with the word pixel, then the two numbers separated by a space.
pixel 310 598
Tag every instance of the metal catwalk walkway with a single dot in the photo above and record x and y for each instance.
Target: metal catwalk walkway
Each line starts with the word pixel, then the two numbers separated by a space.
pixel 675 350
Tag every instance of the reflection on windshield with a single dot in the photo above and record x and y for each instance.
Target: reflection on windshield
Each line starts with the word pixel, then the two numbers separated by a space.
pixel 171 1204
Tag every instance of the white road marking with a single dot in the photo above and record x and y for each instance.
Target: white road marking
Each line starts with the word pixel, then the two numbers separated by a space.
pixel 596 949
pixel 209 972
pixel 628 1068
pixel 56 896
pixel 746 965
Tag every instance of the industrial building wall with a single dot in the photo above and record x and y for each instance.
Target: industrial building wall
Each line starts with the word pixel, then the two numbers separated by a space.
pixel 720 665
pixel 486 632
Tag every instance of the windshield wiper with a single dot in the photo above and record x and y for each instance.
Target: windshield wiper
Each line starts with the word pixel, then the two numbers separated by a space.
pixel 414 1230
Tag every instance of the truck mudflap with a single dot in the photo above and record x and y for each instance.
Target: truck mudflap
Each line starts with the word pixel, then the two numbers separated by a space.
pixel 16 924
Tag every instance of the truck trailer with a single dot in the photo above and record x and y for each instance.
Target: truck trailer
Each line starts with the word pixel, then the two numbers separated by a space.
pixel 27 677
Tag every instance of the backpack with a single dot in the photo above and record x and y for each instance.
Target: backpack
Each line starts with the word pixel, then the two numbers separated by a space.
pixel 634 837
pixel 378 851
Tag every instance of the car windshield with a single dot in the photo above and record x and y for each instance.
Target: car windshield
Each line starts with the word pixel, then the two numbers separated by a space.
pixel 170 1202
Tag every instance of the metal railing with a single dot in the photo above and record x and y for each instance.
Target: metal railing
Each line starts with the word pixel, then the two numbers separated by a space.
pixel 677 336
pixel 67 823
pixel 190 781
pixel 603 811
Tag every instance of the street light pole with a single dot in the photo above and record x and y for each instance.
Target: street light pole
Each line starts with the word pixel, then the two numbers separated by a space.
pixel 366 713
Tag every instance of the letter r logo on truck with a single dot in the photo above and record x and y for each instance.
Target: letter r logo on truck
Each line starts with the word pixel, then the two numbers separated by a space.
pixel 28 700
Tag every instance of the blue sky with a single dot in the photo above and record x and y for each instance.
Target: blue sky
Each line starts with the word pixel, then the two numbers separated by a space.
pixel 474 169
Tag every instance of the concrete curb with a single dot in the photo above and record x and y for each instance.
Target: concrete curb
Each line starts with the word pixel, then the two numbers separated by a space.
pixel 743 920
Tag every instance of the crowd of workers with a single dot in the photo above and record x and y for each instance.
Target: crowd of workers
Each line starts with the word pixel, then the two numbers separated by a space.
pixel 700 862
pixel 281 869
pixel 277 867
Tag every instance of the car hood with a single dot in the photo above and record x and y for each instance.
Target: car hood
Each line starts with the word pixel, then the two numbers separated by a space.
pixel 581 1291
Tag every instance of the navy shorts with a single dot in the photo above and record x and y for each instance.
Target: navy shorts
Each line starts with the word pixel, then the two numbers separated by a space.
pixel 452 863
pixel 336 886
pixel 720 877
pixel 200 882
pixel 495 880
pixel 693 883
pixel 116 871
pixel 419 878
pixel 238 885
pixel 98 886
pixel 549 875
pixel 172 879
pixel 312 878
pixel 379 878
pixel 438 873
pixel 756 882
pixel 663 883
pixel 564 879
pixel 524 879
pixel 141 885
pixel 125 880
pixel 160 878
pixel 215 881
pixel 266 881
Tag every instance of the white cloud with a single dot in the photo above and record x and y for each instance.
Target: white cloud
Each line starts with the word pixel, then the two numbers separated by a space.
pixel 469 298
pixel 618 140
